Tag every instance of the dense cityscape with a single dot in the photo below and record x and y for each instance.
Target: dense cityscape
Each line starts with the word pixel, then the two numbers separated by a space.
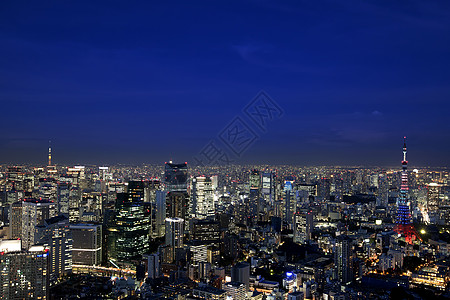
pixel 224 232
pixel 225 150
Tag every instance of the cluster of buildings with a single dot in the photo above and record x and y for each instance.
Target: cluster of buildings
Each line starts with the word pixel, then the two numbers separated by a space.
pixel 229 232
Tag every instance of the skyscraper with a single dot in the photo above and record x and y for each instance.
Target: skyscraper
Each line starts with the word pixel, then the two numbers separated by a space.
pixel 130 230
pixel 433 202
pixel 15 220
pixel 34 213
pixel 177 204
pixel 288 200
pixel 202 197
pixel 303 225
pixel 160 214
pixel 433 192
pixel 87 244
pixel 254 193
pixel 175 184
pixel 175 177
pixel 154 270
pixel 63 197
pixel 343 259
pixel 56 236
pixel 75 196
pixel 174 234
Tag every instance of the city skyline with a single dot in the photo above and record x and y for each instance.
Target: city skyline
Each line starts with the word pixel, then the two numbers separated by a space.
pixel 226 150
pixel 148 83
pixel 246 232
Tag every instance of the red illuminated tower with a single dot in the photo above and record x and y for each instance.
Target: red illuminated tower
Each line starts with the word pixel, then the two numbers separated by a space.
pixel 403 224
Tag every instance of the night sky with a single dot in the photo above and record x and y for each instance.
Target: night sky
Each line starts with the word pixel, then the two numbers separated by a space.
pixel 145 81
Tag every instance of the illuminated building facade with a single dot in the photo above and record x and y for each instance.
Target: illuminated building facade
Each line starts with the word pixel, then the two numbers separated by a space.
pixel 175 177
pixel 160 214
pixel 153 262
pixel 34 213
pixel 56 236
pixel 209 292
pixel 15 220
pixel 205 231
pixel 303 226
pixel 202 197
pixel 174 234
pixel 23 274
pixel 129 234
pixel 255 205
pixel 343 259
pixel 434 276
pixel 176 186
pixel 433 193
pixel 63 197
pixel 288 200
pixel 235 290
pixel 177 204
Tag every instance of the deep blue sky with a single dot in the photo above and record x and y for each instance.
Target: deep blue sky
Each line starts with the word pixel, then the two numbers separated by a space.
pixel 147 81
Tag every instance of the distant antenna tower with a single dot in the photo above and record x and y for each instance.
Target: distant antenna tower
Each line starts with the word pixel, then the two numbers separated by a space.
pixel 49 153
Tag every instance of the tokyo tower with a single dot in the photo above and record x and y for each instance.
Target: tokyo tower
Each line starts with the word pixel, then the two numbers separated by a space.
pixel 403 224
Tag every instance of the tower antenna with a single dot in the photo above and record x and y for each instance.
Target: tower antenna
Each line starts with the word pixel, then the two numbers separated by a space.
pixel 49 152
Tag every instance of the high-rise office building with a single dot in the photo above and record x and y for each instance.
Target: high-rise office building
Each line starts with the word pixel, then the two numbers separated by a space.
pixel 176 186
pixel 205 231
pixel 254 193
pixel 14 178
pixel 240 272
pixel 303 225
pixel 160 213
pixel 56 236
pixel 15 220
pixel 34 213
pixel 288 200
pixel 343 259
pixel 175 177
pixel 174 234
pixel 267 183
pixel 63 197
pixel 383 190
pixel 177 204
pixel 435 215
pixel 433 193
pixel 87 244
pixel 48 189
pixel 75 197
pixel 324 188
pixel 136 191
pixel 202 197
pixel 23 274
pixel 129 232
pixel 154 269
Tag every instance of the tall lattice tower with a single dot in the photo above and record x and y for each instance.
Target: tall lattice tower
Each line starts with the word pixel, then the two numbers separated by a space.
pixel 403 223
pixel 51 170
